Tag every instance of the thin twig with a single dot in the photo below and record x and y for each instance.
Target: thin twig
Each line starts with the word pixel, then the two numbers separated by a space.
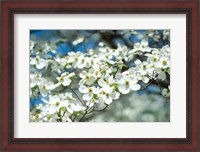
pixel 86 112
pixel 145 86
pixel 159 84
pixel 74 118
pixel 84 115
pixel 77 97
pixel 64 114
pixel 98 110
pixel 91 108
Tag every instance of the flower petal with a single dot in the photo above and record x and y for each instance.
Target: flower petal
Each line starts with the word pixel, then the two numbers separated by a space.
pixel 50 85
pixel 71 75
pixel 144 42
pixel 83 89
pixel 101 82
pixel 33 61
pixel 54 99
pixel 165 92
pixel 136 45
pixel 108 100
pixel 134 86
pixel 115 95
pixel 66 81
pixel 64 74
pixel 120 80
pixel 87 96
pixel 107 89
pixel 83 74
pixel 41 64
pixel 137 62
pixel 43 92
pixel 89 104
pixel 148 49
pixel 82 81
pixel 90 81
pixel 162 76
pixel 145 79
pixel 124 89
pixel 77 107
pixel 96 90
pixel 143 72
pixel 33 83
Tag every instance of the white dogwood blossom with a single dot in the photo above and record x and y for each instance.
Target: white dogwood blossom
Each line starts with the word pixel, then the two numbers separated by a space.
pixel 166 92
pixel 108 94
pixel 45 86
pixel 126 84
pixel 89 92
pixel 87 78
pixel 38 62
pixel 65 78
pixel 140 47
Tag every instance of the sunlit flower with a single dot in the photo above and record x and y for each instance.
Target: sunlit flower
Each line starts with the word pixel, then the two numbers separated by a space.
pixel 166 92
pixel 88 92
pixel 141 47
pixel 108 94
pixel 65 78
pixel 122 52
pixel 35 79
pixel 127 84
pixel 82 62
pixel 163 63
pixel 162 75
pixel 78 40
pixel 107 81
pixel 38 62
pixel 87 78
pixel 45 86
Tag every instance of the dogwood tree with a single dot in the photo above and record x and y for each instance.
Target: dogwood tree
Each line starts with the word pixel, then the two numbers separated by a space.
pixel 76 84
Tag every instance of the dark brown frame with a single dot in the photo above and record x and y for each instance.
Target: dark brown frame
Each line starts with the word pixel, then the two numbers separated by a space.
pixel 11 7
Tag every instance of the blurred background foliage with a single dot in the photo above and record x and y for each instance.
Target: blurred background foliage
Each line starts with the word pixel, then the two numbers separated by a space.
pixel 142 106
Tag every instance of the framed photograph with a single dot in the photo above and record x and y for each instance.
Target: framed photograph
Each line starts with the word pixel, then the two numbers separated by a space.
pixel 100 76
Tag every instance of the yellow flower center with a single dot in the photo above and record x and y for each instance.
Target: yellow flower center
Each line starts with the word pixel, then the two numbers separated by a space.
pixel 90 90
pixel 62 79
pixel 57 103
pixel 87 77
pixel 164 62
pixel 97 72
pixel 36 116
pixel 48 117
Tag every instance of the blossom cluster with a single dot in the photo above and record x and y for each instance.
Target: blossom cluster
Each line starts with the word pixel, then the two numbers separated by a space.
pixel 72 86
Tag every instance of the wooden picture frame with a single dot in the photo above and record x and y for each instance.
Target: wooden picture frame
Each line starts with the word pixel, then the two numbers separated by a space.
pixel 188 7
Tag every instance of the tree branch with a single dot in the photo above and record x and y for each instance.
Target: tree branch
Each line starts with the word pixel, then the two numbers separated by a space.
pixel 145 86
pixel 98 110
pixel 77 97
